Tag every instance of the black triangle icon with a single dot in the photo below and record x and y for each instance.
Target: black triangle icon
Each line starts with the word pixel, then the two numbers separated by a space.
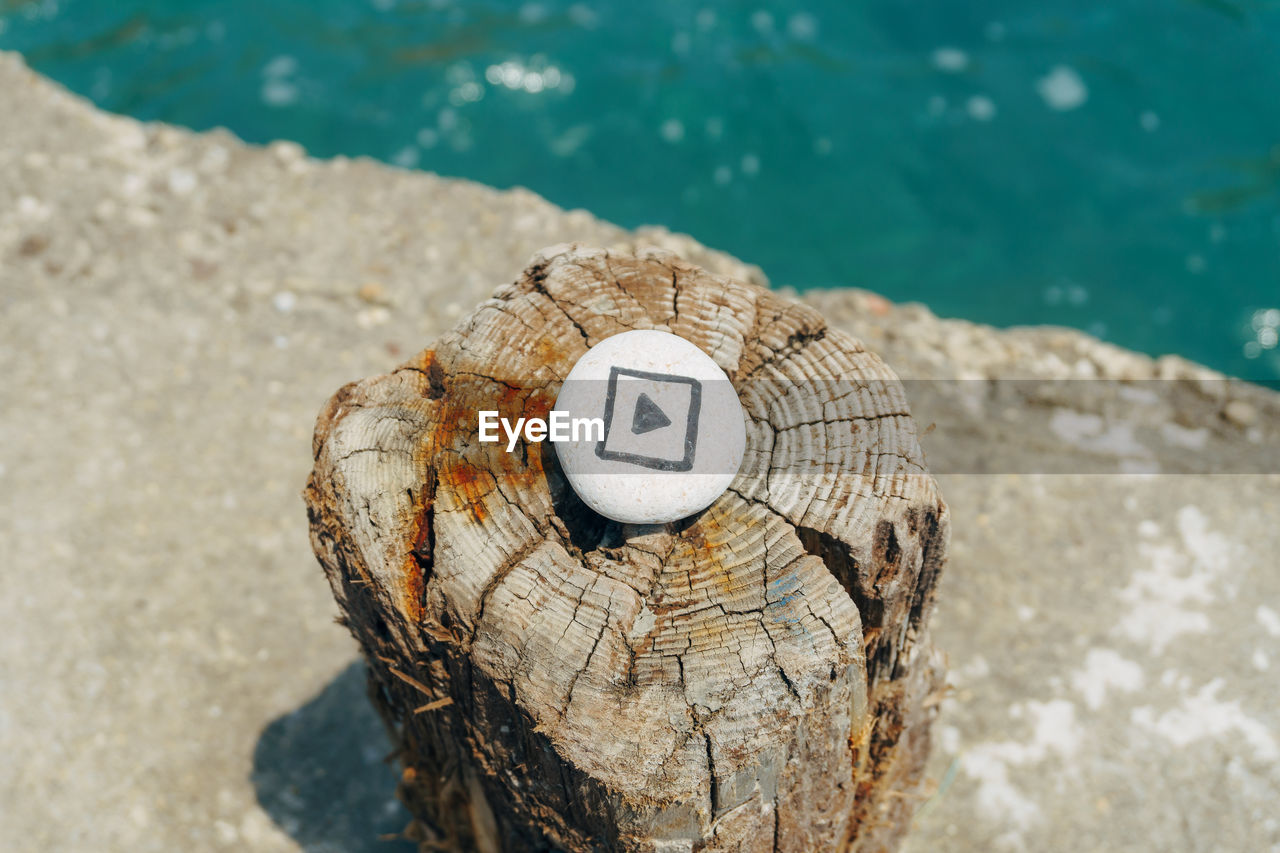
pixel 648 416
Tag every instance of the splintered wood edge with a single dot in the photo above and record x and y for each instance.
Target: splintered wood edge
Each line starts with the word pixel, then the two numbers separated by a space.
pixel 665 665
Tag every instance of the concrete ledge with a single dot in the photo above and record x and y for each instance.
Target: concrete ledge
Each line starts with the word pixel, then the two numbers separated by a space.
pixel 177 306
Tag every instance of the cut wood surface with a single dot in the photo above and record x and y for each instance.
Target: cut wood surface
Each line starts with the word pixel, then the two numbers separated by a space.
pixel 756 677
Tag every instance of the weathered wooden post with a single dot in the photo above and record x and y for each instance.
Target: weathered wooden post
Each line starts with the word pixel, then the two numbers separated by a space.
pixel 756 677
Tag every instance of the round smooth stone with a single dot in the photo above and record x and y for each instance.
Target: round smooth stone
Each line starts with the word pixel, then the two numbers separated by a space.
pixel 673 429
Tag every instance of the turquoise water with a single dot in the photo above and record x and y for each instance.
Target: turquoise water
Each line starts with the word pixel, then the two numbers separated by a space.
pixel 1111 166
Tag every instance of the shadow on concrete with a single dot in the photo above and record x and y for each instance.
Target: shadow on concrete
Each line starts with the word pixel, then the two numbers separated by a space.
pixel 319 772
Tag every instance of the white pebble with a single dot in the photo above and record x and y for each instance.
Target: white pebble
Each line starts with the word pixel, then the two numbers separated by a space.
pixel 671 432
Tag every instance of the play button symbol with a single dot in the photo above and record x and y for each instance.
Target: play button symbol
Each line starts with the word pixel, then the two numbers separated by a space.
pixel 674 430
pixel 648 416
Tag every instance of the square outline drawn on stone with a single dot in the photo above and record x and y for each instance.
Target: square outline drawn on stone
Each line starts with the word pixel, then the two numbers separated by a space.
pixel 691 428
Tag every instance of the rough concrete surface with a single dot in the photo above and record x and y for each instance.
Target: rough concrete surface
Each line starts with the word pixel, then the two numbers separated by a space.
pixel 174 309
